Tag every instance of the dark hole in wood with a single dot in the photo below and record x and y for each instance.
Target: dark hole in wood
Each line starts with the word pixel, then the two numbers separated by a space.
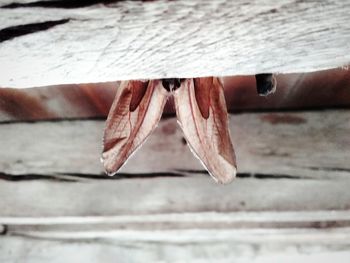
pixel 265 84
pixel 3 230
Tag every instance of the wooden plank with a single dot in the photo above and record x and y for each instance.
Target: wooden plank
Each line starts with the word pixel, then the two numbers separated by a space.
pixel 304 144
pixel 287 236
pixel 287 161
pixel 290 202
pixel 60 44
pixel 183 220
pixel 14 249
pixel 38 199
pixel 295 91
pixel 337 236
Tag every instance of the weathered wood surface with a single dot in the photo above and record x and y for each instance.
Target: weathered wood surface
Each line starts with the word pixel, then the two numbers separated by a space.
pixel 35 201
pixel 111 250
pixel 220 244
pixel 45 43
pixel 322 89
pixel 290 202
pixel 297 144
pixel 305 154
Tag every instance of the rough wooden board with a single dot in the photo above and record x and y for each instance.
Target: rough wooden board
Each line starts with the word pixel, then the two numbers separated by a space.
pixel 157 39
pixel 38 199
pixel 14 249
pixel 288 161
pixel 291 204
pixel 288 236
pixel 321 89
pixel 301 144
pixel 182 220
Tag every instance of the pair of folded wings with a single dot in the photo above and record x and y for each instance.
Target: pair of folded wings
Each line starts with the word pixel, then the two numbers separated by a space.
pixel 201 112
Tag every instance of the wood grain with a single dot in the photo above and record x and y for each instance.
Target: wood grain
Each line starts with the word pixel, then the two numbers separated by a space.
pixel 289 203
pixel 287 162
pixel 158 39
pixel 297 144
pixel 107 249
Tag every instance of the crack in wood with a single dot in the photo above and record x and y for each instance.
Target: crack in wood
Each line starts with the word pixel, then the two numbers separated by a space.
pixel 124 175
pixel 31 176
pixel 271 176
pixel 12 32
pixel 249 175
pixel 64 177
pixel 66 4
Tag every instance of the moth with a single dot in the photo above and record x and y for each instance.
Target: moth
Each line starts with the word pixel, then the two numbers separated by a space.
pixel 201 112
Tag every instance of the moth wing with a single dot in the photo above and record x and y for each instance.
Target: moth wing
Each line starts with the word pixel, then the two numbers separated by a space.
pixel 202 114
pixel 134 114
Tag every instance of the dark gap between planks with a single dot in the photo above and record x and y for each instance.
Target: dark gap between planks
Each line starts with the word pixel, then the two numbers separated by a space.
pixel 74 177
pixel 65 4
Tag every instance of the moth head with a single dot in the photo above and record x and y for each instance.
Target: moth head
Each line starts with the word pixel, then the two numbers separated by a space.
pixel 171 84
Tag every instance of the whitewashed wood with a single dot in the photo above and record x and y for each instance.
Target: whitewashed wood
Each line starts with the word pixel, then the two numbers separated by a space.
pixel 157 39
pixel 197 243
pixel 67 218
pixel 14 249
pixel 148 196
pixel 301 165
pixel 203 220
pixel 308 144
pixel 286 236
pixel 67 227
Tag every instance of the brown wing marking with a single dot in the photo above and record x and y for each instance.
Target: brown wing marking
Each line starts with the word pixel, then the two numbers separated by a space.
pixel 202 114
pixel 135 112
